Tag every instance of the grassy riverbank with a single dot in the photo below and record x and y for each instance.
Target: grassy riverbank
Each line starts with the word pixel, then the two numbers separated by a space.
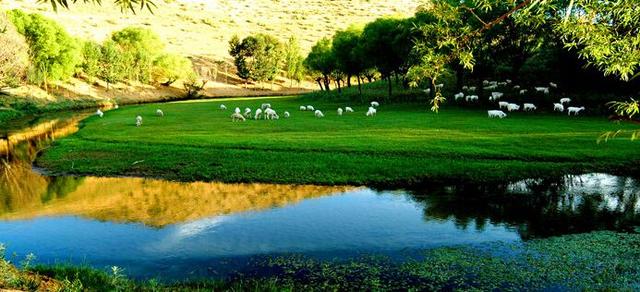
pixel 404 143
pixel 592 261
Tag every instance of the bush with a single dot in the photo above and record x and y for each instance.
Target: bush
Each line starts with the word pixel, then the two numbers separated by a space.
pixel 168 68
pixel 14 56
pixel 112 64
pixel 140 48
pixel 54 54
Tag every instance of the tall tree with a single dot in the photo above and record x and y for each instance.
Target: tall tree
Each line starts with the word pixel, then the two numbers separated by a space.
pixel 293 63
pixel 348 54
pixel 322 61
pixel 378 39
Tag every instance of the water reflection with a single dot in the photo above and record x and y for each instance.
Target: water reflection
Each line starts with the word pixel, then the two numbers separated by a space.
pixel 538 207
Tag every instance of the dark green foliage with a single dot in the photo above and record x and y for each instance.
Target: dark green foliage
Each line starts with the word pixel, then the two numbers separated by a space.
pixel 257 58
pixel 54 54
pixel 321 61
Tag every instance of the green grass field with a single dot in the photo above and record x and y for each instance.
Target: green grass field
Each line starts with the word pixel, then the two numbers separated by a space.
pixel 403 144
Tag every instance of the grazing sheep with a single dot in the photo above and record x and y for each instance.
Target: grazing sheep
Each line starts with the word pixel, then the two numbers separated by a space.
pixel 270 114
pixel 116 106
pixel 553 85
pixel 465 87
pixel 237 110
pixel 516 87
pixel 472 88
pixel 440 86
pixel 565 100
pixel 348 109
pixel 286 115
pixel 503 104
pixel 318 114
pixel 495 95
pixel 339 111
pixel 544 90
pixel 247 113
pixel 574 110
pixel 513 107
pixel 458 96
pixel 558 107
pixel 471 98
pixel 138 121
pixel 303 108
pixel 99 113
pixel 529 107
pixel 485 82
pixel 375 104
pixel 310 108
pixel 223 107
pixel 502 83
pixel 258 114
pixel 371 112
pixel 508 81
pixel 491 87
pixel 159 113
pixel 265 106
pixel 427 91
pixel 496 114
pixel 523 91
pixel 237 117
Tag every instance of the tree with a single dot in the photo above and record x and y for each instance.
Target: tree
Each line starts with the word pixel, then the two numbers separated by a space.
pixel 256 58
pixel 91 56
pixel 378 40
pixel 322 61
pixel 111 63
pixel 132 5
pixel 293 61
pixel 53 53
pixel 140 48
pixel 169 67
pixel 348 54
pixel 14 57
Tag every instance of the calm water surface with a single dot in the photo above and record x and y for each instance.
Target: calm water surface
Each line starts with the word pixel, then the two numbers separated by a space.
pixel 155 228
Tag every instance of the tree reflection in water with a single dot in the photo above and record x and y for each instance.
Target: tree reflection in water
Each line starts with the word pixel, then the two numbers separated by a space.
pixel 538 207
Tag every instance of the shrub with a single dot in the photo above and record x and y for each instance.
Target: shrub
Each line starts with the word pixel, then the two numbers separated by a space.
pixel 91 56
pixel 112 64
pixel 14 57
pixel 54 54
pixel 168 68
pixel 140 47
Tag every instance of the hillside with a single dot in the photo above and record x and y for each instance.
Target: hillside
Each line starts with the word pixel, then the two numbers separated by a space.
pixel 203 27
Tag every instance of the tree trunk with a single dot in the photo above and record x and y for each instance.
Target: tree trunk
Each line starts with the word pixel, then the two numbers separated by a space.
pixel 339 87
pixel 348 80
pixel 327 83
pixel 359 86
pixel 390 85
pixel 319 83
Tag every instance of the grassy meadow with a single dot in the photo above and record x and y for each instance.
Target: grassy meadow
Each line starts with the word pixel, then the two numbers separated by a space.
pixel 404 144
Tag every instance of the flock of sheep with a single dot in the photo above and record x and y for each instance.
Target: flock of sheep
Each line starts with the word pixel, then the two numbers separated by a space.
pixel 265 112
pixel 510 107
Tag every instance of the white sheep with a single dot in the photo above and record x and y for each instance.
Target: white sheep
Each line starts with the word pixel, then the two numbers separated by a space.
pixel 495 95
pixel 286 115
pixel 427 91
pixel 348 109
pixel 485 82
pixel 513 107
pixel 503 104
pixel 558 107
pixel 258 114
pixel 529 107
pixel 247 113
pixel 502 83
pixel 138 121
pixel 516 87
pixel 472 88
pixel 496 114
pixel 237 117
pixel 159 113
pixel 471 98
pixel 508 81
pixel 565 100
pixel 265 106
pixel 340 111
pixel 553 85
pixel 116 106
pixel 574 110
pixel 458 96
pixel 544 90
pixel 375 104
pixel 303 108
pixel 523 91
pixel 371 112
pixel 318 114
pixel 465 87
pixel 491 87
pixel 99 113
pixel 439 86
pixel 237 110
pixel 270 114
pixel 223 107
pixel 310 108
